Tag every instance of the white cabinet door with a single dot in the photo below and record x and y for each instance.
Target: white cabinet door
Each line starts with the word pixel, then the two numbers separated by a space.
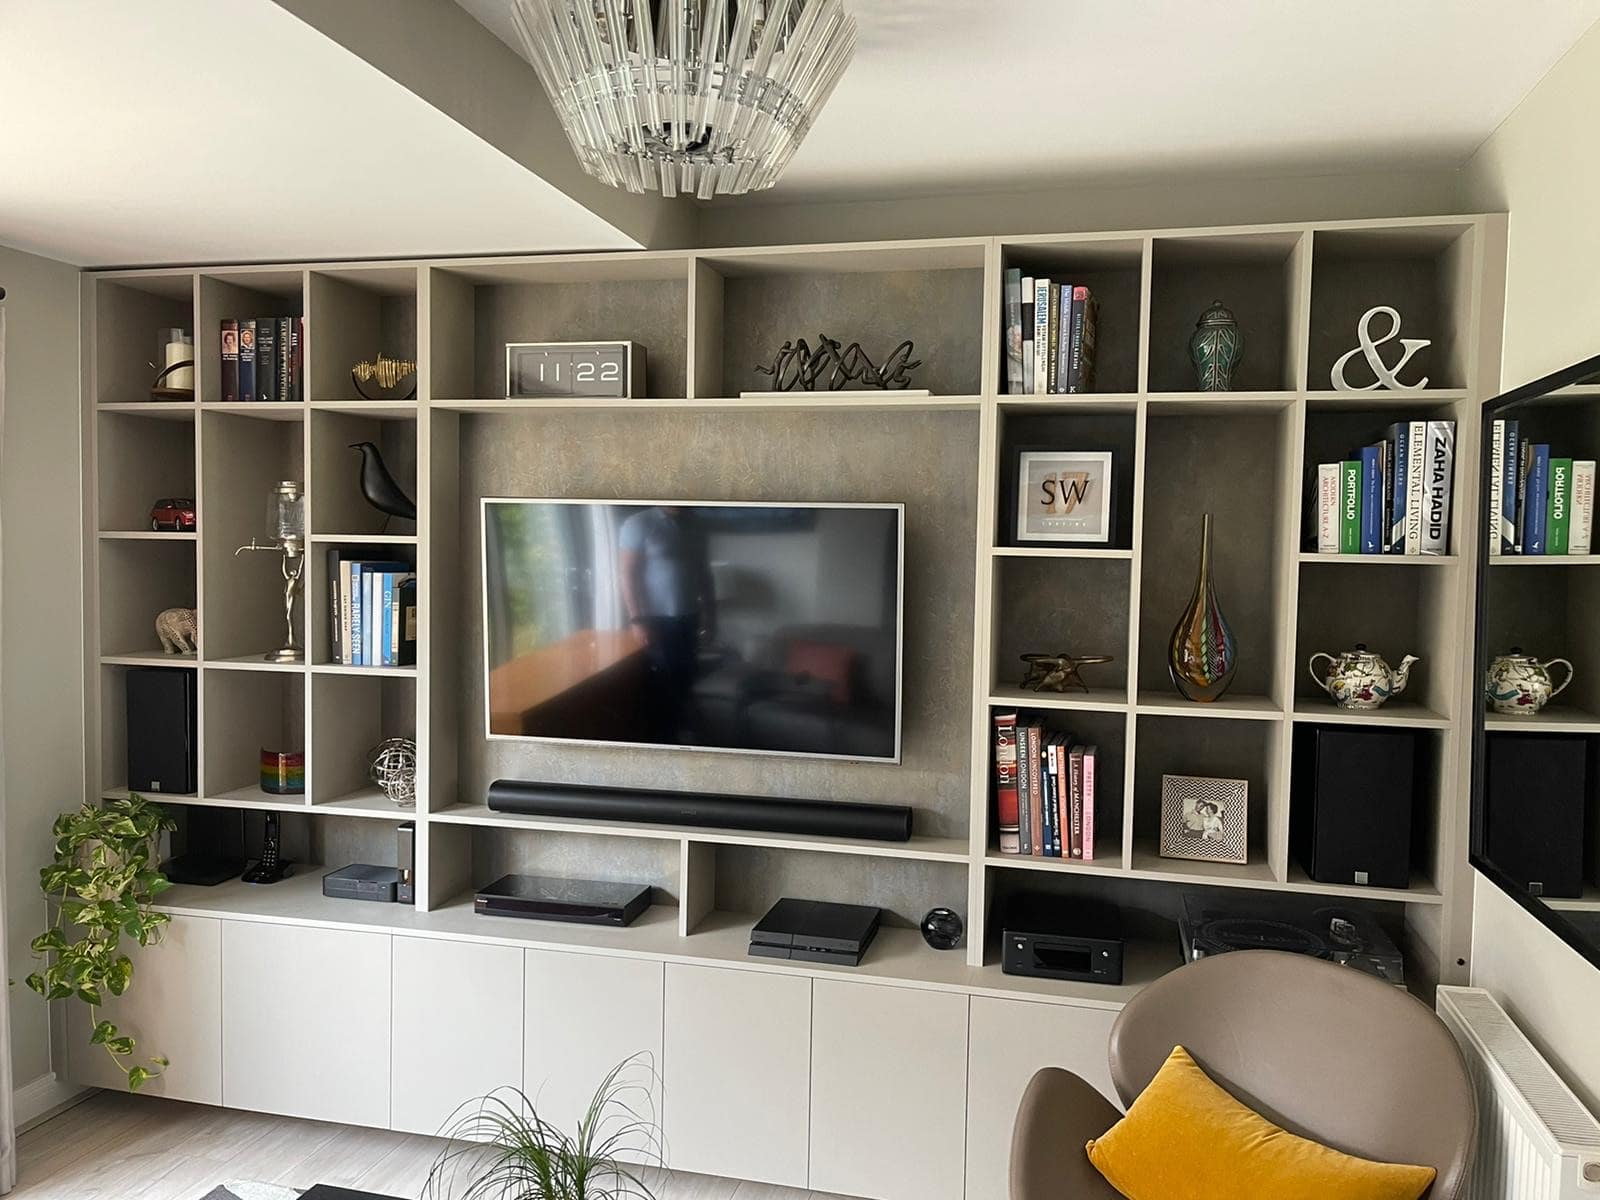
pixel 888 1091
pixel 305 1022
pixel 1010 1040
pixel 585 1014
pixel 173 1008
pixel 457 1028
pixel 736 1068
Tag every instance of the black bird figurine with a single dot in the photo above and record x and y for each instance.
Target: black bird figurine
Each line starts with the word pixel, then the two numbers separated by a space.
pixel 379 487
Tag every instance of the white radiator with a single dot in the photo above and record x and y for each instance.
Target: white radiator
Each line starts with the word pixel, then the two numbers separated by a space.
pixel 1536 1141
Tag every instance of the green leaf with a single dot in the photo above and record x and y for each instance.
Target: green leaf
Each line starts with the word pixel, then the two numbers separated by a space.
pixel 160 1060
pixel 120 1045
pixel 104 1031
pixel 59 991
pixel 120 975
pixel 36 982
pixel 138 1077
pixel 48 941
pixel 89 994
pixel 158 885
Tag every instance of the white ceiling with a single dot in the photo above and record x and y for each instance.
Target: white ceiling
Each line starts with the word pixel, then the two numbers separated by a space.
pixel 193 131
pixel 993 94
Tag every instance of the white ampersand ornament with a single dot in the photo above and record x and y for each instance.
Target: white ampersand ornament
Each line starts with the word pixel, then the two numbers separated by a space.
pixel 1385 375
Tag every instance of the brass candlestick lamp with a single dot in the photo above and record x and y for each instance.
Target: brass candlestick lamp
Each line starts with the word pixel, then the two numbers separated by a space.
pixel 286 535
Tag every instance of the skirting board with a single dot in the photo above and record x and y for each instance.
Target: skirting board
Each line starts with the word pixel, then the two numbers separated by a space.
pixel 43 1098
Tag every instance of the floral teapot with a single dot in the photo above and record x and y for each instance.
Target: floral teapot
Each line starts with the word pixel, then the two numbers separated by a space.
pixel 1359 678
pixel 1519 684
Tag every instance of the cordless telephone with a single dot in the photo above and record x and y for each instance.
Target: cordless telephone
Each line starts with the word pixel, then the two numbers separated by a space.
pixel 271 867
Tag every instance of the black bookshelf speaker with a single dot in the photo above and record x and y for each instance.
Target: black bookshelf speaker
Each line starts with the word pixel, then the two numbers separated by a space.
pixel 1535 791
pixel 161 730
pixel 1354 791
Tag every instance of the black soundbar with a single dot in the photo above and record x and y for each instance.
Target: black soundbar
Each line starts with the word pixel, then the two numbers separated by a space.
pixel 875 822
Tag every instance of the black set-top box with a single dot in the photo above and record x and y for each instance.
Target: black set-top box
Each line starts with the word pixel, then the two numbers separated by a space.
pixel 816 931
pixel 362 881
pixel 579 901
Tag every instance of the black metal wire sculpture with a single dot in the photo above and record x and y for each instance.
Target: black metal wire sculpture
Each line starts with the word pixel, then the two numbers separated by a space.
pixel 833 368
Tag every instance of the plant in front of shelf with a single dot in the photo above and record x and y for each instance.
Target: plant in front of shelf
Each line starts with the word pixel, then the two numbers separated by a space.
pixel 502 1149
pixel 101 884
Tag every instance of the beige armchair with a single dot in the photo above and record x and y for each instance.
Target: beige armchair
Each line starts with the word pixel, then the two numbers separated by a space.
pixel 1323 1051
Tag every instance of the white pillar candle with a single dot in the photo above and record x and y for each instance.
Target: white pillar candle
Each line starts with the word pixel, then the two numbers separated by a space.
pixel 183 377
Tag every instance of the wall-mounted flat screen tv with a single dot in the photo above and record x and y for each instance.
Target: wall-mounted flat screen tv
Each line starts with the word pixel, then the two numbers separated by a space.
pixel 762 628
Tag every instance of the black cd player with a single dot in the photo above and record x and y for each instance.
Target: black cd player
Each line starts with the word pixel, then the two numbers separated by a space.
pixel 1055 937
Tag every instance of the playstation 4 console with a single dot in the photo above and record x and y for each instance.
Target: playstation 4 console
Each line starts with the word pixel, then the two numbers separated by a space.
pixel 815 931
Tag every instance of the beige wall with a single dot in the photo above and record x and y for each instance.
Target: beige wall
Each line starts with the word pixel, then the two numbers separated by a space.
pixel 41 644
pixel 1540 167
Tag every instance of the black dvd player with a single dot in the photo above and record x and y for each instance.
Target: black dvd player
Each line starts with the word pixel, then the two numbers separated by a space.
pixel 815 931
pixel 1056 937
pixel 578 901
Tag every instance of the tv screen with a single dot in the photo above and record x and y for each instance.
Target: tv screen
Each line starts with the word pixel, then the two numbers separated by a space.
pixel 764 628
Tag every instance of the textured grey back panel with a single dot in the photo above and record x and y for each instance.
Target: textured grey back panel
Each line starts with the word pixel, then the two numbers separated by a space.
pixel 926 461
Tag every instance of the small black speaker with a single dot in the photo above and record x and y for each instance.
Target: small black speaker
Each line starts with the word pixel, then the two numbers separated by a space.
pixel 1535 788
pixel 161 730
pixel 1352 801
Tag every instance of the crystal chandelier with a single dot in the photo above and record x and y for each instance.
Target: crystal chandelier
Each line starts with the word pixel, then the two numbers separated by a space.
pixel 711 97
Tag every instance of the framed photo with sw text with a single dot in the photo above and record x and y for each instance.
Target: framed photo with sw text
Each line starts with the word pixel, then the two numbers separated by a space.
pixel 1063 497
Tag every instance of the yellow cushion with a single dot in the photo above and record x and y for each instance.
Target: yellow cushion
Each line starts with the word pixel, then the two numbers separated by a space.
pixel 1185 1138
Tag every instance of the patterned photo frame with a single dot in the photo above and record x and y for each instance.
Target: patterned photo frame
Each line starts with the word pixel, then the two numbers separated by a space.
pixel 1205 819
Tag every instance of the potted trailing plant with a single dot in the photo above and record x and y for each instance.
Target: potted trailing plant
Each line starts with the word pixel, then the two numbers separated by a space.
pixel 101 884
pixel 502 1149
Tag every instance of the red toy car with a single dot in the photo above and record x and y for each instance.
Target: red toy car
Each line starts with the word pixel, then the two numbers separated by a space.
pixel 174 515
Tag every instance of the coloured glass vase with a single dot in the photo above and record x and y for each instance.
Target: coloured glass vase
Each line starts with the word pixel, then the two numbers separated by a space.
pixel 1202 655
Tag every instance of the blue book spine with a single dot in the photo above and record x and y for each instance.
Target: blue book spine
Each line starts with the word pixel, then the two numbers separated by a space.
pixel 1509 462
pixel 1538 498
pixel 1371 499
pixel 357 626
pixel 388 619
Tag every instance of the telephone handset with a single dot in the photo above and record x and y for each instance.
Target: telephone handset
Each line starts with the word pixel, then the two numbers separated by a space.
pixel 271 867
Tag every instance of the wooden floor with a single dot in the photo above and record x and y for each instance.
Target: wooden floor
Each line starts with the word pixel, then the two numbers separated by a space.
pixel 119 1147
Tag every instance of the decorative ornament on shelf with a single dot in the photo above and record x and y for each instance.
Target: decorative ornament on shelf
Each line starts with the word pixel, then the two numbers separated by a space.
pixel 387 373
pixel 286 534
pixel 283 772
pixel 175 370
pixel 1202 655
pixel 700 96
pixel 177 627
pixel 392 765
pixel 1519 685
pixel 1203 819
pixel 575 370
pixel 832 367
pixel 1216 348
pixel 379 488
pixel 942 928
pixel 1359 678
pixel 173 514
pixel 1059 672
pixel 1384 376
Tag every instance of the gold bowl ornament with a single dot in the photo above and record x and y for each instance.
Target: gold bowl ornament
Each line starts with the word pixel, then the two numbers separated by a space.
pixel 387 373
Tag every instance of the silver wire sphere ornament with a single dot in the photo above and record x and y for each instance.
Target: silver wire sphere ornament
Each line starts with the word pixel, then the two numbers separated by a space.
pixel 392 765
pixel 707 97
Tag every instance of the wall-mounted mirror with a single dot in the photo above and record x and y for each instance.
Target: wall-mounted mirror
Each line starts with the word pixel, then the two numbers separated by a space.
pixel 1536 749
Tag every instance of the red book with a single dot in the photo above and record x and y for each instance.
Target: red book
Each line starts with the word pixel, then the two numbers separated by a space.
pixel 1005 781
pixel 1090 754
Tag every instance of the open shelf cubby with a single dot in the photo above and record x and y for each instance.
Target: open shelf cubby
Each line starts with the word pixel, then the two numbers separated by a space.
pixel 708 427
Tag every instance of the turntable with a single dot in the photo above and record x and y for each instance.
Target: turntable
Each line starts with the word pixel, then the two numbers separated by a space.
pixel 1347 936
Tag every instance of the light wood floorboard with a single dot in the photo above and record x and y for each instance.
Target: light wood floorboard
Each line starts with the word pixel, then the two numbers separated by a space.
pixel 116 1147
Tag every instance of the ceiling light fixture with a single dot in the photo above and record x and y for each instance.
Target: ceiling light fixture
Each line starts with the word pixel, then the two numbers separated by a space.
pixel 711 97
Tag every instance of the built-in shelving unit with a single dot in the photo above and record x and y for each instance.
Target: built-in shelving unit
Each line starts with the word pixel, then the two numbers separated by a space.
pixel 706 319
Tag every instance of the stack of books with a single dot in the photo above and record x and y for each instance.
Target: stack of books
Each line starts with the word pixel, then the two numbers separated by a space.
pixel 263 359
pixel 1392 497
pixel 1545 505
pixel 372 612
pixel 1044 789
pixel 1049 336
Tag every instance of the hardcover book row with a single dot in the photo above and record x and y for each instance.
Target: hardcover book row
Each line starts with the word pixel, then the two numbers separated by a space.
pixel 1545 502
pixel 1044 788
pixel 1049 334
pixel 1392 497
pixel 372 612
pixel 263 360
